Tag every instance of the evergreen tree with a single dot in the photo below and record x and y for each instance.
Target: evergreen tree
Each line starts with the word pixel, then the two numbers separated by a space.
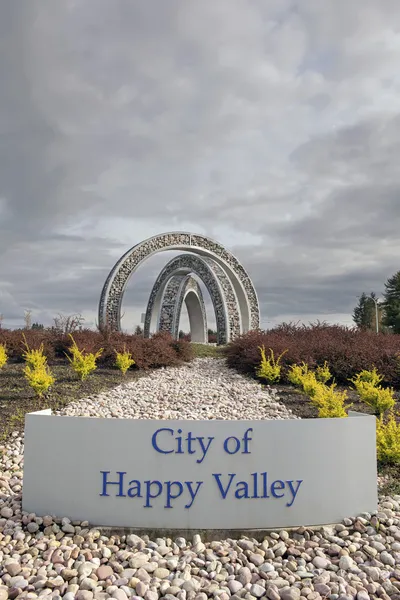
pixel 364 312
pixel 392 303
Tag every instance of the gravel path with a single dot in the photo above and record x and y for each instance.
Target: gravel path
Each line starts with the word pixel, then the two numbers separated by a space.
pixel 203 389
pixel 46 557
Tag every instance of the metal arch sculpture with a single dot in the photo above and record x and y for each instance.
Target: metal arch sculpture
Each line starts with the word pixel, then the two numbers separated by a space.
pixel 223 297
pixel 114 287
pixel 180 289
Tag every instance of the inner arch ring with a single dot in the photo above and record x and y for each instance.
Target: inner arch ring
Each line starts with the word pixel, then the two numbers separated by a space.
pixel 183 289
pixel 221 291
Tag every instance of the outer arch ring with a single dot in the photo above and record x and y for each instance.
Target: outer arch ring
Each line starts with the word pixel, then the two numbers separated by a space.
pixel 115 285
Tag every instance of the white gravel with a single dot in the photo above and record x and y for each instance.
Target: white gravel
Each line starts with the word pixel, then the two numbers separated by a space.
pixel 53 558
pixel 203 389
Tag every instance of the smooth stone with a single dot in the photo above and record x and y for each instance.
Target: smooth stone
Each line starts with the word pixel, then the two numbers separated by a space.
pixel 84 595
pixel 387 559
pixel 290 593
pixel 68 574
pixel 161 573
pixel 119 595
pixel 143 575
pixel 18 582
pixel 134 540
pixel 267 568
pixel 104 572
pixel 346 563
pixel 85 569
pixel 191 585
pixel 138 561
pixel 256 559
pixel 372 572
pixel 141 588
pixel 88 584
pixel 244 575
pixel 234 586
pixel 13 569
pixel 273 593
pixel 257 590
pixel 322 589
pixel 320 563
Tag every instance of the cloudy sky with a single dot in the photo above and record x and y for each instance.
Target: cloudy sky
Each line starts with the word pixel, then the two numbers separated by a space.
pixel 272 126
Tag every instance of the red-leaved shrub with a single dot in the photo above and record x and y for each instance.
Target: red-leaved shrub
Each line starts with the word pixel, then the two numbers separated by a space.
pixel 346 350
pixel 161 350
pixel 34 338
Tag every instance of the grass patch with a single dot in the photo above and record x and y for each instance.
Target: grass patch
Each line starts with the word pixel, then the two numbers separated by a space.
pixel 17 398
pixel 207 351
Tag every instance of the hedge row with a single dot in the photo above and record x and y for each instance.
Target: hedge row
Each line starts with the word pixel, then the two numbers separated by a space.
pixel 347 351
pixel 158 351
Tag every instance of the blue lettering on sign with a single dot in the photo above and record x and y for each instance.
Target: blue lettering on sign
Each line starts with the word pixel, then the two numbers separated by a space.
pixel 163 442
pixel 232 447
pixel 149 490
pixel 119 483
pixel 259 481
pixel 155 441
pixel 184 493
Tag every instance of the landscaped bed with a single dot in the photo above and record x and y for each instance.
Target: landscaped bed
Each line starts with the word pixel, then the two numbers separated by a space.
pixel 17 397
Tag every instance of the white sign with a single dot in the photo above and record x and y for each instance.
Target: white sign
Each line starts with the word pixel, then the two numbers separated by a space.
pixel 200 474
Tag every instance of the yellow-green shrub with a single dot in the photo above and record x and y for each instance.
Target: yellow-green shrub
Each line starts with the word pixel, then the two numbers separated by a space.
pixel 3 355
pixel 124 361
pixel 365 376
pixel 388 440
pixel 83 363
pixel 323 373
pixel 39 378
pixel 310 384
pixel 367 385
pixel 269 368
pixel 318 392
pixel 34 358
pixel 379 398
pixel 300 375
pixel 331 403
pixel 296 374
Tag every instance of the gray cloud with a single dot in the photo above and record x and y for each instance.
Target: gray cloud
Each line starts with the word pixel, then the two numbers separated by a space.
pixel 272 127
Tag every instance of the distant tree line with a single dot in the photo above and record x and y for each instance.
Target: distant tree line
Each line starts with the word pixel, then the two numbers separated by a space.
pixel 387 310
